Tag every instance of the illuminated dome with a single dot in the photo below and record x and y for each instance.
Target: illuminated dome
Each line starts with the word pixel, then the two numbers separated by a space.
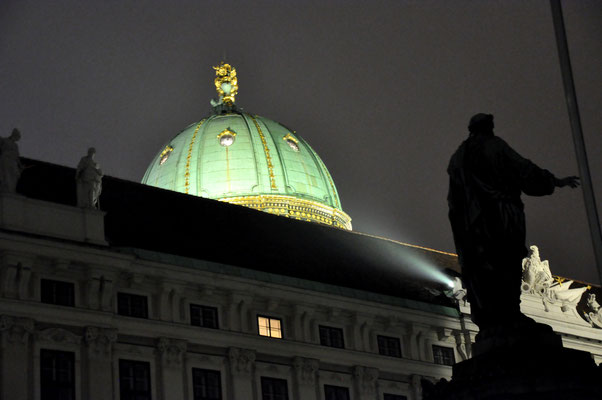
pixel 249 160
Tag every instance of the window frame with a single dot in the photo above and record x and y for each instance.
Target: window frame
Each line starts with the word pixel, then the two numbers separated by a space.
pixel 69 284
pixel 330 329
pixel 448 349
pixel 72 385
pixel 194 386
pixel 136 393
pixel 270 318
pixel 146 305
pixel 347 391
pixel 265 379
pixel 394 396
pixel 389 339
pixel 202 307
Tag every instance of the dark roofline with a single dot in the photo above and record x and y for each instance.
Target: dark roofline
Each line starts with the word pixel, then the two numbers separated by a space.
pixel 145 217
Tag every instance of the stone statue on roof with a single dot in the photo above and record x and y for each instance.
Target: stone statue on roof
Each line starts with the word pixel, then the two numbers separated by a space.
pixel 538 280
pixel 10 163
pixel 594 313
pixel 89 180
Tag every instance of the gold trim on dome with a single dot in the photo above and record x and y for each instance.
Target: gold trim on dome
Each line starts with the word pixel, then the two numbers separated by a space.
pixel 267 154
pixel 226 132
pixel 293 207
pixel 165 154
pixel 225 73
pixel 288 136
pixel 189 156
pixel 292 142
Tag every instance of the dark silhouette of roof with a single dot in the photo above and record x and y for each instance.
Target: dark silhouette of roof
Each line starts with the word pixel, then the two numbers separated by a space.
pixel 145 217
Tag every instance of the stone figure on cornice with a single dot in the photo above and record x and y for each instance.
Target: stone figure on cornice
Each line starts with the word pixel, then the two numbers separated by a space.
pixel 10 163
pixel 538 279
pixel 594 314
pixel 89 180
pixel 458 292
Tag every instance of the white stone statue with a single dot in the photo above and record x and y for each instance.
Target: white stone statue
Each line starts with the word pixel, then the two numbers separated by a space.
pixel 594 312
pixel 458 292
pixel 537 279
pixel 89 181
pixel 10 163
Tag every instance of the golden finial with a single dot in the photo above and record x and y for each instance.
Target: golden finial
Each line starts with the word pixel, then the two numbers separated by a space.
pixel 226 83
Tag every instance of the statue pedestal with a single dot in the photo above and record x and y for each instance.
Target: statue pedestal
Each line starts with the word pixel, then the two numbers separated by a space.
pixel 521 362
pixel 23 214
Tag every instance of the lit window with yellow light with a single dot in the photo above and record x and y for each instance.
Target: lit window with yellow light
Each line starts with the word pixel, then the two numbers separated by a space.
pixel 271 327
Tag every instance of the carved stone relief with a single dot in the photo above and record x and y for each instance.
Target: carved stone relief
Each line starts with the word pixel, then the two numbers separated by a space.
pixel 172 351
pixel 305 370
pixel 242 361
pixel 366 380
pixel 57 335
pixel 17 330
pixel 100 340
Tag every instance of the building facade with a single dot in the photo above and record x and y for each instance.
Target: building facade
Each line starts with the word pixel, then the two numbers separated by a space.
pixel 82 319
pixel 163 295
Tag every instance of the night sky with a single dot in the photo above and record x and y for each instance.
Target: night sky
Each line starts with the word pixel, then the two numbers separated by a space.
pixel 381 90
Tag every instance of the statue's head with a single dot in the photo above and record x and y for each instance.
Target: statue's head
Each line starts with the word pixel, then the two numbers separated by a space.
pixel 15 135
pixel 481 124
pixel 91 151
pixel 534 250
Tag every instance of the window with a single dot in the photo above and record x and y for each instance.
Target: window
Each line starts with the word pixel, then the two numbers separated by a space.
pixel 273 389
pixel 134 380
pixel 203 316
pixel 394 397
pixel 57 375
pixel 57 292
pixel 443 355
pixel 389 346
pixel 132 305
pixel 336 393
pixel 332 337
pixel 206 384
pixel 268 326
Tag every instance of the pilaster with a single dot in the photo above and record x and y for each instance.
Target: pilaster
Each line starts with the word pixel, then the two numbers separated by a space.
pixel 15 341
pixel 242 370
pixel 171 353
pixel 305 377
pixel 365 382
pixel 99 347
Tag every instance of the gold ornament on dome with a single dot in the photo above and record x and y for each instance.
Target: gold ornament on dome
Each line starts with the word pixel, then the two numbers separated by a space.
pixel 165 154
pixel 291 141
pixel 292 207
pixel 226 137
pixel 226 82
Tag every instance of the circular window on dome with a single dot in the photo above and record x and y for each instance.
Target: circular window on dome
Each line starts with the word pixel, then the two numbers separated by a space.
pixel 291 141
pixel 165 154
pixel 226 137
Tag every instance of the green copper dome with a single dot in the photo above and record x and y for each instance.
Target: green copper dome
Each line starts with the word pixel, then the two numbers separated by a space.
pixel 247 160
pixel 251 161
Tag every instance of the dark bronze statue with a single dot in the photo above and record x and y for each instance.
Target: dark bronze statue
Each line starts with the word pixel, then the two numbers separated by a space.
pixel 486 213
